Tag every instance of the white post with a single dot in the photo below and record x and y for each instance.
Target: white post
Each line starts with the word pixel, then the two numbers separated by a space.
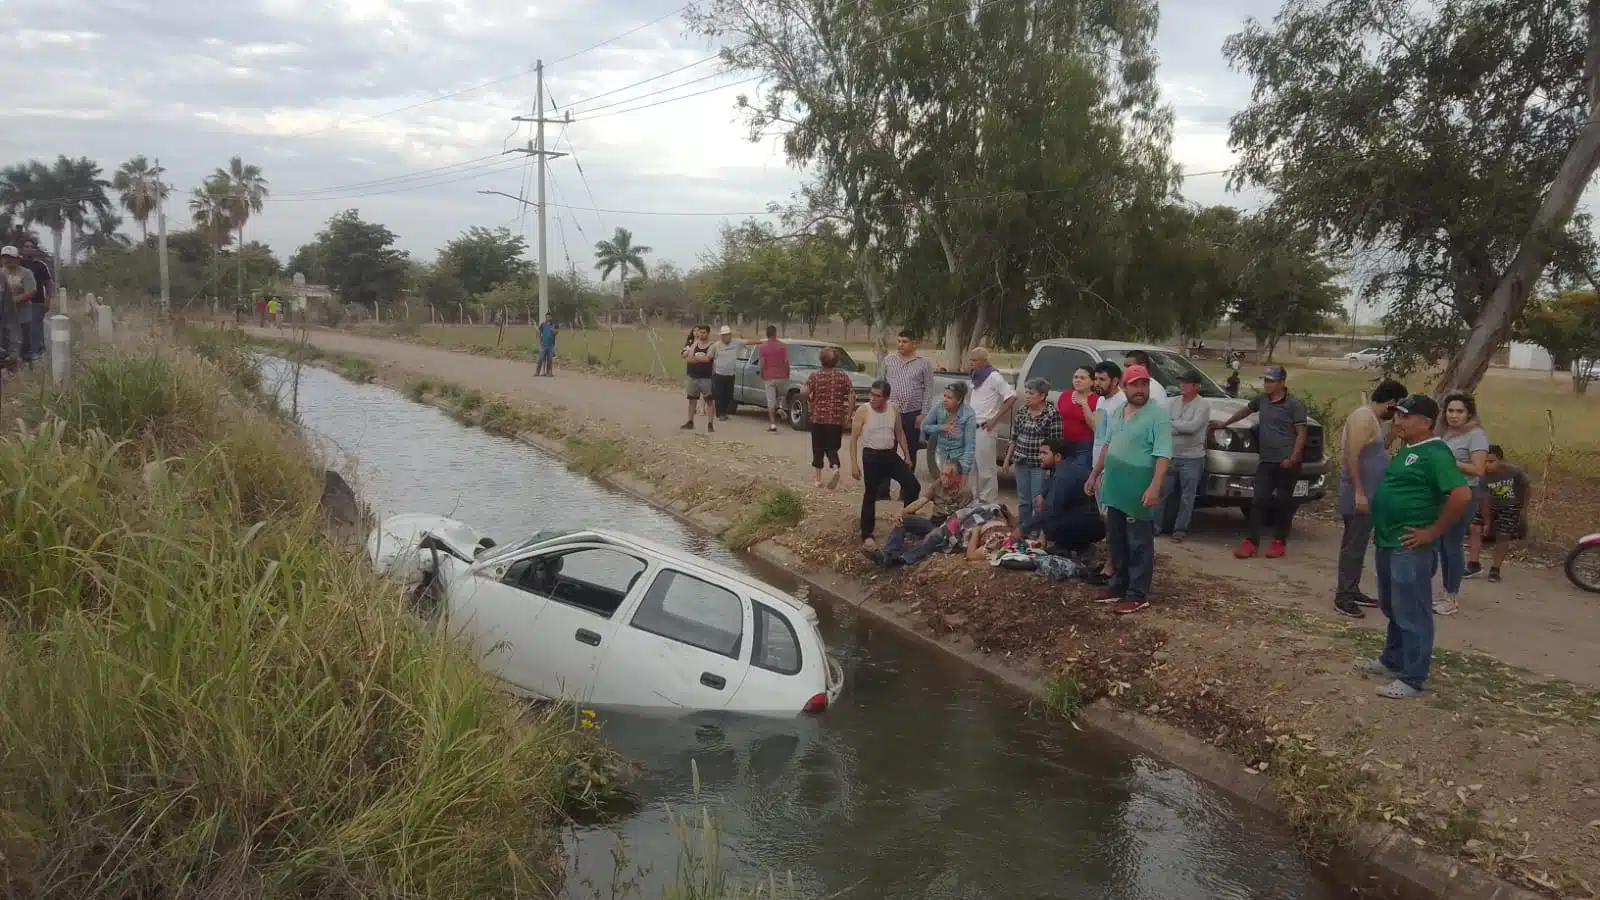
pixel 103 322
pixel 60 347
pixel 161 240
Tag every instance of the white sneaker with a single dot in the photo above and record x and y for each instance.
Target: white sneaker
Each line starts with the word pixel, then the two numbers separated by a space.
pixel 1446 607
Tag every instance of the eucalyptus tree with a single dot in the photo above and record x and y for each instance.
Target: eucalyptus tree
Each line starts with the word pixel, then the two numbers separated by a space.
pixel 1448 142
pixel 957 134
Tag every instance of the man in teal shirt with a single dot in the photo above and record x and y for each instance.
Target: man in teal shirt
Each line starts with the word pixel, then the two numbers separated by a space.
pixel 1130 471
pixel 1422 494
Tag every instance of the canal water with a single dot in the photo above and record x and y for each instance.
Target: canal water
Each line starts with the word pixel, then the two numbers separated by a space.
pixel 929 780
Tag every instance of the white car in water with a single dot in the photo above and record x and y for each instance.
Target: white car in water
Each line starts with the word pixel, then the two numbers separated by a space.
pixel 607 619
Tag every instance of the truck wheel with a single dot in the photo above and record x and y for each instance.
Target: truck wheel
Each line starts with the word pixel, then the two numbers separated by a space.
pixel 799 412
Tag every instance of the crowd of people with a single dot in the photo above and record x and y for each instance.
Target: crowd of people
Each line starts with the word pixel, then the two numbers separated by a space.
pixel 27 288
pixel 1113 462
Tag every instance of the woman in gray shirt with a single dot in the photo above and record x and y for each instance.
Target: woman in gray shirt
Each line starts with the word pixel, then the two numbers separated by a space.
pixel 1470 444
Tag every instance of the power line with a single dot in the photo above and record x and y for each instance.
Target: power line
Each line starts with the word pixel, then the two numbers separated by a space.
pixel 618 37
pixel 474 163
pixel 700 93
pixel 698 62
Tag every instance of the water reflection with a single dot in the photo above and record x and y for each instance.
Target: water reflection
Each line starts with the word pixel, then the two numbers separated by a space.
pixel 929 780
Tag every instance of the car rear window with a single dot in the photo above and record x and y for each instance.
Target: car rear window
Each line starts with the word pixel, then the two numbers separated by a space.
pixel 777 645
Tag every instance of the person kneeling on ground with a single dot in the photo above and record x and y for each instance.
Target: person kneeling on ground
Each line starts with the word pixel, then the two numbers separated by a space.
pixel 924 520
pixel 1065 514
pixel 1421 496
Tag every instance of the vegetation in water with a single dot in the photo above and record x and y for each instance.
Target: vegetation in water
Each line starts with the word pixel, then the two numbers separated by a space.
pixel 779 509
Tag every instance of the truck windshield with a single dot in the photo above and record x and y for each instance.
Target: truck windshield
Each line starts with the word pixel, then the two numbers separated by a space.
pixel 810 356
pixel 1169 369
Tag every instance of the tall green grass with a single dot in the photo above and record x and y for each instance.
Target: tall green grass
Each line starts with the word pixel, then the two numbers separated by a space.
pixel 202 695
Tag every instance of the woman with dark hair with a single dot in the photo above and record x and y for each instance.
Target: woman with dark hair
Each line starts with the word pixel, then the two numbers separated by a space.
pixel 832 400
pixel 951 428
pixel 1034 422
pixel 1077 408
pixel 1470 444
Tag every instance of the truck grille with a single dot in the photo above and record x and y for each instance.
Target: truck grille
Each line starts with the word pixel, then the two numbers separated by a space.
pixel 1314 447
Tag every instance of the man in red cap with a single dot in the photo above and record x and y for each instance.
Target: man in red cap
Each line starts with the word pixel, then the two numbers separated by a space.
pixel 1129 473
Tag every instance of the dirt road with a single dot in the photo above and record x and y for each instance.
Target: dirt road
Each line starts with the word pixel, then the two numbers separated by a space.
pixel 1534 620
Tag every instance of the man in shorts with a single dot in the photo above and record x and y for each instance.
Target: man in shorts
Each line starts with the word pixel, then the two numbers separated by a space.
pixel 699 356
pixel 772 356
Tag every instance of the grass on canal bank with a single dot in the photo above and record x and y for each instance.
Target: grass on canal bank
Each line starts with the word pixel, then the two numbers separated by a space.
pixel 202 695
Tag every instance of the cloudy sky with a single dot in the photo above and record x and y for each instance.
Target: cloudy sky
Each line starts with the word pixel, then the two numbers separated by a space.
pixel 337 103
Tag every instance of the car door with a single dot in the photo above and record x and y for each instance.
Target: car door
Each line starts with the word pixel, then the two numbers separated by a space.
pixel 747 385
pixel 684 645
pixel 781 677
pixel 581 591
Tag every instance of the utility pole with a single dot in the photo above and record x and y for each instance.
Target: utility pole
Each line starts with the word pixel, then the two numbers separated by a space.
pixel 161 240
pixel 536 148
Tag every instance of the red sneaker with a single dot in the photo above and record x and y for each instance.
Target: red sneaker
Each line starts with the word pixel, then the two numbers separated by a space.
pixel 1108 597
pixel 1245 550
pixel 1131 606
pixel 1276 549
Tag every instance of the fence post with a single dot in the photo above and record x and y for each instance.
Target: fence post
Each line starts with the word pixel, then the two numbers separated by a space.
pixel 102 321
pixel 60 347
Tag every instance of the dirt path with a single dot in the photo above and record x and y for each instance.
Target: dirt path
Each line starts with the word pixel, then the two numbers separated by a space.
pixel 1534 620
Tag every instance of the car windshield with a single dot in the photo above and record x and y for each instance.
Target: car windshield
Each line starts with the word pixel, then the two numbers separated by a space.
pixel 810 355
pixel 529 541
pixel 1169 368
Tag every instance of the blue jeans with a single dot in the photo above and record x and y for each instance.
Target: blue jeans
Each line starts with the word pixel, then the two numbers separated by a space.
pixel 1030 484
pixel 1183 478
pixel 1133 553
pixel 1405 594
pixel 901 550
pixel 546 364
pixel 33 331
pixel 1452 557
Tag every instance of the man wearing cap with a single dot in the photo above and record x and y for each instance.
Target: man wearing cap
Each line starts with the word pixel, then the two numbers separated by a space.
pixel 33 324
pixel 1422 494
pixel 724 366
pixel 18 286
pixel 1191 417
pixel 547 347
pixel 1281 445
pixel 1129 474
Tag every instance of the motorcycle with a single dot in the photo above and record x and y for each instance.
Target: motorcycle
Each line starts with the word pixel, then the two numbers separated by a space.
pixel 1583 563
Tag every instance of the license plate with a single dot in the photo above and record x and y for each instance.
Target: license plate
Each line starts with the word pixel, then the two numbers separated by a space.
pixel 1302 488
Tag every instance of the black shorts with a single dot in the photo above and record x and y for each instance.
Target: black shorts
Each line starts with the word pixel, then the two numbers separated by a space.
pixel 1504 521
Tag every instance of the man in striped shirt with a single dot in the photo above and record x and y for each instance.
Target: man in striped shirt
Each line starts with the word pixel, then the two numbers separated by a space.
pixel 910 380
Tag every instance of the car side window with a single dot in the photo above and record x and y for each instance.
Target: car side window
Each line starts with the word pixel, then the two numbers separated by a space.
pixel 777 647
pixel 690 611
pixel 1056 365
pixel 594 579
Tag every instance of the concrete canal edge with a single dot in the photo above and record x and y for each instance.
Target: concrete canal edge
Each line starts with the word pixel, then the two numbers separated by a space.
pixel 1382 860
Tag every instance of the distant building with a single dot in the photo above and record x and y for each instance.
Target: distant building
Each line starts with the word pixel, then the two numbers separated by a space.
pixel 1529 356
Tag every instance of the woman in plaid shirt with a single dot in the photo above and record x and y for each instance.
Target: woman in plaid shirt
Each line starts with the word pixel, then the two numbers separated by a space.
pixel 1035 422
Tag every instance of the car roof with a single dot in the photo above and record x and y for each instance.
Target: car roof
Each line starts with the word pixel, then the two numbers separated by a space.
pixel 678 557
pixel 1104 346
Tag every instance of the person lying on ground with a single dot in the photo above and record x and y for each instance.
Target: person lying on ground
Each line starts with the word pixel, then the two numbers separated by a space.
pixel 919 528
pixel 988 537
pixel 1068 517
pixel 1502 514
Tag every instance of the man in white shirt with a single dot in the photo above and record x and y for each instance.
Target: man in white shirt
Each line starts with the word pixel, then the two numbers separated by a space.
pixel 992 398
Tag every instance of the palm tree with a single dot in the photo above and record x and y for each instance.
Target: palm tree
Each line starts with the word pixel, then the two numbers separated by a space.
pixel 102 233
pixel 142 191
pixel 247 191
pixel 83 196
pixel 209 206
pixel 34 196
pixel 620 253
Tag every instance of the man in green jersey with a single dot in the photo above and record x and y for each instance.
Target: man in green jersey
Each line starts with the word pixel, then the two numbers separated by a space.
pixel 1422 494
pixel 1130 472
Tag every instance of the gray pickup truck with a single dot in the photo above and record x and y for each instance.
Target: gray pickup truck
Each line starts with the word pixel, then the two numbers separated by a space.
pixel 1231 458
pixel 805 357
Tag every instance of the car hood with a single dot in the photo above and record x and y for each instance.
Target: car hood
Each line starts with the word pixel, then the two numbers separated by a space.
pixel 1223 407
pixel 861 381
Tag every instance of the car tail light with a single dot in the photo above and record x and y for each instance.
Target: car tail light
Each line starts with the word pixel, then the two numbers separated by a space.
pixel 816 704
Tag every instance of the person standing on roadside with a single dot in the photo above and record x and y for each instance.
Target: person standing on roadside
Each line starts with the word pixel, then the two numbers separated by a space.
pixel 724 368
pixel 16 290
pixel 1281 432
pixel 1503 511
pixel 910 377
pixel 1077 410
pixel 33 260
pixel 992 399
pixel 698 356
pixel 1035 422
pixel 1108 385
pixel 1129 475
pixel 1421 496
pixel 1470 444
pixel 878 454
pixel 831 400
pixel 1363 457
pixel 951 428
pixel 1191 421
pixel 547 347
pixel 772 358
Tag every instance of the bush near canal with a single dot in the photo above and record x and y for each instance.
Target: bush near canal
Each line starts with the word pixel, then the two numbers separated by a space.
pixel 201 694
